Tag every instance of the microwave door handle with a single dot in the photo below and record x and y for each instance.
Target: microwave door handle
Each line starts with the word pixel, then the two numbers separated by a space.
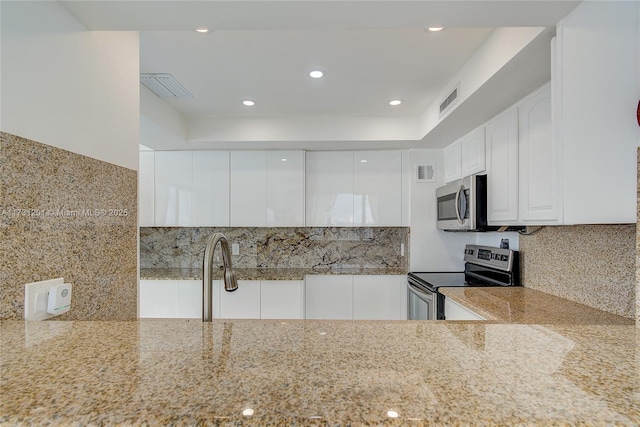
pixel 458 214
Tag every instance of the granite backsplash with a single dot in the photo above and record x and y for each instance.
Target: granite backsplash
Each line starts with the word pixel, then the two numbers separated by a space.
pixel 67 215
pixel 284 247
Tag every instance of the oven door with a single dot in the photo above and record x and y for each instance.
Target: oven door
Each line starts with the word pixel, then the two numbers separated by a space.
pixel 421 303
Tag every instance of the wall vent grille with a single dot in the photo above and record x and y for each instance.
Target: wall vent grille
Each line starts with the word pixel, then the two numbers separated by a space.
pixel 164 85
pixel 449 101
pixel 425 173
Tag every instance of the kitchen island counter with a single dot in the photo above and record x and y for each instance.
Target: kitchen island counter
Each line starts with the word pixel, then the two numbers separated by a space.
pixel 309 372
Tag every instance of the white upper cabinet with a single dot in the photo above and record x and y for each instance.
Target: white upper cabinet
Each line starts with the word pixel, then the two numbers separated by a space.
pixel 452 162
pixel 173 187
pixel 248 188
pixel 211 188
pixel 377 184
pixel 145 189
pixel 595 97
pixel 539 195
pixel 472 150
pixel 502 168
pixel 329 188
pixel 285 189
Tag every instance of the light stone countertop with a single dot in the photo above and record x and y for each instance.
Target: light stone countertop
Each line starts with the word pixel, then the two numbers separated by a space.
pixel 261 273
pixel 523 305
pixel 311 372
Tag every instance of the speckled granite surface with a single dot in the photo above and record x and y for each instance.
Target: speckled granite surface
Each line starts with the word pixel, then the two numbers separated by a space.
pixel 528 306
pixel 279 247
pixel 594 265
pixel 67 215
pixel 260 273
pixel 181 372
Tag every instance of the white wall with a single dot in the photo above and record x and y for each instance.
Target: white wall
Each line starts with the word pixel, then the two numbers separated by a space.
pixel 68 87
pixel 432 249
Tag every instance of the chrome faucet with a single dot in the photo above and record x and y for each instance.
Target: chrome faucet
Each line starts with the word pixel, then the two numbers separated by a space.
pixel 230 282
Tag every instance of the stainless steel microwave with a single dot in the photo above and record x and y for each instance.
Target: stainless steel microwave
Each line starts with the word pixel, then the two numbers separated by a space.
pixel 462 204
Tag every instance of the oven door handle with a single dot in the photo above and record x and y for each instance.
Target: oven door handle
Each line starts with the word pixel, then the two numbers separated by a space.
pixel 419 292
pixel 460 215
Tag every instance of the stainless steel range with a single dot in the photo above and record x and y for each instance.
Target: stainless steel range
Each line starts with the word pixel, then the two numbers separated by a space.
pixel 484 266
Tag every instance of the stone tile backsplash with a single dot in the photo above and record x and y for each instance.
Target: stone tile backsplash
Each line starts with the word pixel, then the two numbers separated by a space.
pixel 593 265
pixel 67 215
pixel 285 247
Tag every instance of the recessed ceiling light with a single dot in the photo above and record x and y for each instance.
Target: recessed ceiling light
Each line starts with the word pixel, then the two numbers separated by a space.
pixel 435 29
pixel 284 160
pixel 363 161
pixel 248 103
pixel 395 102
pixel 316 74
pixel 202 30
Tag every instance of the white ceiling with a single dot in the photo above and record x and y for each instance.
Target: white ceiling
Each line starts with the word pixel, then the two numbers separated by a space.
pixel 371 52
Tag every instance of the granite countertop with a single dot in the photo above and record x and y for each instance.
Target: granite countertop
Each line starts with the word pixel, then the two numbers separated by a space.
pixel 310 372
pixel 261 273
pixel 523 305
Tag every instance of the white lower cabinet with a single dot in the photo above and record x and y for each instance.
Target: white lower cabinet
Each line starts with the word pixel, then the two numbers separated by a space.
pixel 379 298
pixel 170 299
pixel 329 297
pixel 455 311
pixel 360 297
pixel 282 299
pixel 243 303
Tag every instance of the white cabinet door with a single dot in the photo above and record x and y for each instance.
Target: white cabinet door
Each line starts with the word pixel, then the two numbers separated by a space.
pixel 211 188
pixel 248 188
pixel 329 297
pixel 190 299
pixel 173 188
pixel 538 195
pixel 146 188
pixel 285 189
pixel 377 188
pixel 455 311
pixel 473 152
pixel 158 298
pixel 452 162
pixel 379 297
pixel 281 299
pixel 502 168
pixel 243 303
pixel 329 189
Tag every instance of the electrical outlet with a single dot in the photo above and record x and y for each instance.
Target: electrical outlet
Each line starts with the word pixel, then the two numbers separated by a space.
pixel 235 249
pixel 401 249
pixel 36 296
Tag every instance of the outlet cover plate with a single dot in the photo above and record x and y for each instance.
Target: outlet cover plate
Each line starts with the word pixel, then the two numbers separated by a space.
pixel 31 290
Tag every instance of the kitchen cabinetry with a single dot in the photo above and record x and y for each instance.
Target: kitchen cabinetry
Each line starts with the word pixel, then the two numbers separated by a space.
pixel 329 297
pixel 248 189
pixel 285 189
pixel 455 311
pixel 243 303
pixel 465 156
pixel 282 299
pixel 267 188
pixel 452 162
pixel 539 194
pixel 146 189
pixel 329 188
pixel 210 188
pixel 356 188
pixel 173 188
pixel 170 299
pixel 502 168
pixel 595 97
pixel 380 297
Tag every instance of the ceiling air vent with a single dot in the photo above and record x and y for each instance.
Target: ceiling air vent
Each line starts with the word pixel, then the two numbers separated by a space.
pixel 425 173
pixel 449 101
pixel 164 85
